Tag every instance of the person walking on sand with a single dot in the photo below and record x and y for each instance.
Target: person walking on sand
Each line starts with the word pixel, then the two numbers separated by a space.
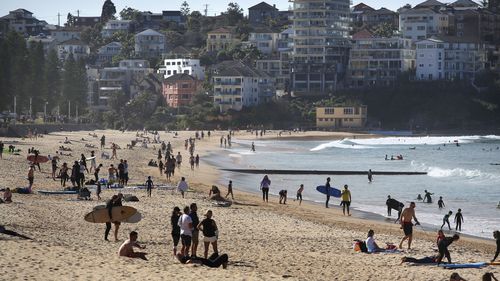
pixel 197 161
pixel 103 141
pixel 98 190
pixel 160 166
pixel 230 190
pixel 441 202
pixel 178 158
pixel 209 229
pixel 443 248
pixel 186 226
pixel 446 220
pixel 31 177
pixel 328 189
pixel 115 201
pixel 182 187
pixel 283 194
pixel 458 220
pixel 93 164
pixel 127 248
pixel 264 186
pixel 346 199
pixel 1 149
pixel 299 193
pixel 113 151
pixel 370 175
pixel 496 235
pixel 176 230
pixel 406 224
pixel 191 162
pixel 149 186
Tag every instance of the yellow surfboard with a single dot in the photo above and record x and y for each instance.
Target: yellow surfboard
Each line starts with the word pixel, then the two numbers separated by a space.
pixel 120 213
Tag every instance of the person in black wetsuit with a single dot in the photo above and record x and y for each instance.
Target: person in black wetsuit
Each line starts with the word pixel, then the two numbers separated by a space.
pixel 441 202
pixel 496 234
pixel 176 230
pixel 431 259
pixel 115 201
pixel 328 187
pixel 443 248
pixel 458 220
pixel 446 220
pixel 213 261
pixel 12 233
pixel 427 196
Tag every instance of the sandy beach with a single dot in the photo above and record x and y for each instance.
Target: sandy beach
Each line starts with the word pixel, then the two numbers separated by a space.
pixel 264 241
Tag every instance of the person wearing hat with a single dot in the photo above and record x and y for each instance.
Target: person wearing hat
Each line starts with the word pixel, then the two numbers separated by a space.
pixel 209 229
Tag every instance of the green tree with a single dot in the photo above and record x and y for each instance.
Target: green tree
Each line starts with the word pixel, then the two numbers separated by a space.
pixel 36 61
pixel 93 37
pixel 70 20
pixel 185 9
pixel 131 14
pixel 74 85
pixel 194 21
pixel 52 79
pixel 108 11
pixel 233 14
pixel 384 29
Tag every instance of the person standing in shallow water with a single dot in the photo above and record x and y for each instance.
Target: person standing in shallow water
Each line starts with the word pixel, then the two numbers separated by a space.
pixel 458 220
pixel 264 186
pixel 346 199
pixel 327 189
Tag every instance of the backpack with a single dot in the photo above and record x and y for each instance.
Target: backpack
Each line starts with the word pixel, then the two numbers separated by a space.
pixel 360 246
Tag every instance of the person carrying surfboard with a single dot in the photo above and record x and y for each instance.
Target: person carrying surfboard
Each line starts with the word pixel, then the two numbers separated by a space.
pixel 346 199
pixel 327 190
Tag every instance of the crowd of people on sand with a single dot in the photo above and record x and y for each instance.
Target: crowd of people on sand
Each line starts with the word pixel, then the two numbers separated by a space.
pixel 186 225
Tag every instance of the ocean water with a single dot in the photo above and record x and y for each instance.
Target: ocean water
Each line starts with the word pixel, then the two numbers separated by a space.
pixel 463 175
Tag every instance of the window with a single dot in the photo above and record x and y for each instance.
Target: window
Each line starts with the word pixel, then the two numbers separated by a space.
pixel 169 72
pixel 409 28
pixel 348 111
pixel 421 27
pixel 320 119
pixel 329 110
pixel 185 86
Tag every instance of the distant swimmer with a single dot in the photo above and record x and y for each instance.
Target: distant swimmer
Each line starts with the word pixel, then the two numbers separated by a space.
pixel 386 157
pixel 419 197
pixel 441 202
pixel 370 175
pixel 427 196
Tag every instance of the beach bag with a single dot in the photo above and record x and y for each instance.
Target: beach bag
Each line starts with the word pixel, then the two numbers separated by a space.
pixel 360 246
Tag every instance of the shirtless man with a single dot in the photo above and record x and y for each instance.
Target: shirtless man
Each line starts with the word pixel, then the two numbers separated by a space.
pixel 407 225
pixel 127 248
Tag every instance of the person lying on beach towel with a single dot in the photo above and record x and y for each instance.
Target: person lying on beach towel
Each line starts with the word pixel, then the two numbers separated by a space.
pixel 12 233
pixel 424 260
pixel 213 261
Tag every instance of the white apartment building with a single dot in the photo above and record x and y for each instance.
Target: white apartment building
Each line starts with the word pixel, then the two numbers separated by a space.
pixel 114 26
pixel 65 34
pixel 178 66
pixel 237 85
pixel 265 40
pixel 149 43
pixel 378 61
pixel 77 48
pixel 421 23
pixel 449 60
pixel 106 53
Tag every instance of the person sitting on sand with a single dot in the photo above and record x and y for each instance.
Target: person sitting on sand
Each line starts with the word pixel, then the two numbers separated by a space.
pixel 127 248
pixel 456 277
pixel 7 196
pixel 213 261
pixel 214 190
pixel 371 245
pixel 443 248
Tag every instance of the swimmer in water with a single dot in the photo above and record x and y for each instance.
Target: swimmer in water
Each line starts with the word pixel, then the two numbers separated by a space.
pixel 419 197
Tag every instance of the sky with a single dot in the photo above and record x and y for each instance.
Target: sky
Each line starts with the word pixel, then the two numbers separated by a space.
pixel 48 9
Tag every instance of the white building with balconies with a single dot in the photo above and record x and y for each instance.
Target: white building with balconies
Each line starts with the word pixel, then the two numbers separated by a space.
pixel 179 66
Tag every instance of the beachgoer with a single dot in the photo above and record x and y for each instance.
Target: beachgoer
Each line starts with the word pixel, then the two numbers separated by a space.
pixel 213 261
pixel 197 160
pixel 149 186
pixel 496 235
pixel 186 226
pixel 31 177
pixel 440 237
pixel 488 276
pixel 1 149
pixel 103 141
pixel 53 162
pixel 176 230
pixel 178 158
pixel 443 248
pixel 121 173
pixel 182 187
pixel 299 193
pixel 370 175
pixel 419 197
pixel 441 202
pixel 196 233
pixel 424 260
pixel 214 190
pixel 456 277
pixel 371 245
pixel 346 200
pixel 93 164
pixel 98 190
pixel 111 174
pixel 406 224
pixel 7 196
pixel 283 194
pixel 97 170
pixel 113 150
pixel 427 196
pixel 12 233
pixel 387 202
pixel 115 201
pixel 458 220
pixel 127 248
pixel 209 229
pixel 327 189
pixel 253 147
pixel 83 161
pixel 81 174
pixel 400 210
pixel 264 186
pixel 446 220
pixel 63 174
pixel 191 162
pixel 230 190
pixel 160 166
